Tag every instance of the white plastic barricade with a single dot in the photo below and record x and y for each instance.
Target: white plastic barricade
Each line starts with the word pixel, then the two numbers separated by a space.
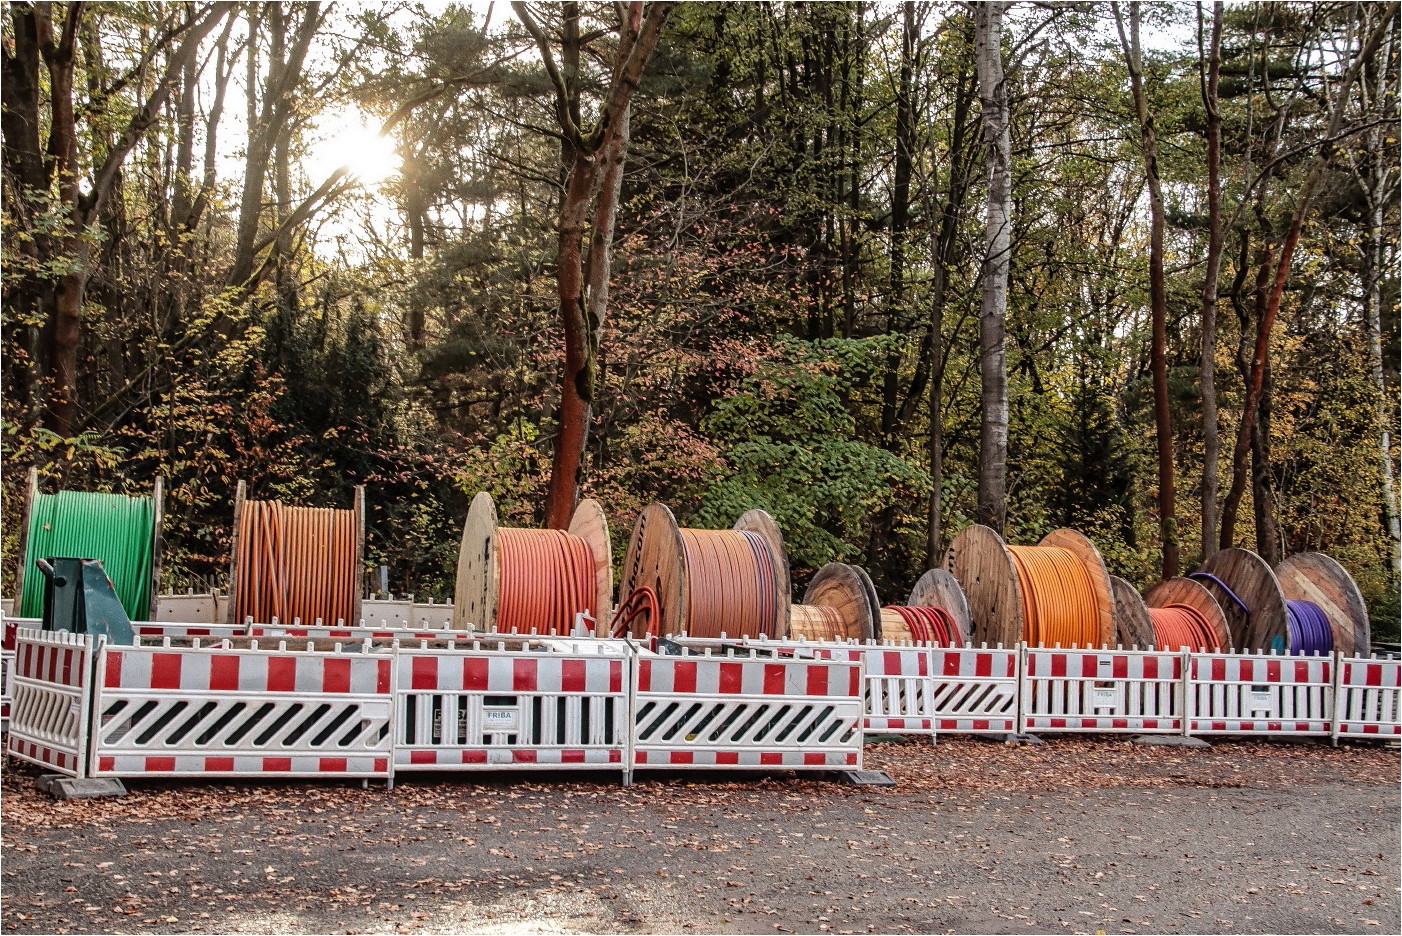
pixel 190 609
pixel 1102 690
pixel 729 711
pixel 896 689
pixel 49 710
pixel 974 690
pixel 320 631
pixel 216 711
pixel 379 612
pixel 557 705
pixel 154 632
pixel 1260 694
pixel 1368 698
pixel 7 671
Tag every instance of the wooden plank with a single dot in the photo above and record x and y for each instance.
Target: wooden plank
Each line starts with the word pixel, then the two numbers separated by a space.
pixel 1317 577
pixel 158 542
pixel 938 588
pixel 1186 591
pixel 1133 626
pixel 358 575
pixel 979 560
pixel 240 495
pixel 590 525
pixel 31 494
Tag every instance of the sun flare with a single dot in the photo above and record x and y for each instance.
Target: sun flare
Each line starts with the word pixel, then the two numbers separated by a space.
pixel 349 141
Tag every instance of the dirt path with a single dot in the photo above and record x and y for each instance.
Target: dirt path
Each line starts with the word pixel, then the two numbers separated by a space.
pixel 1075 836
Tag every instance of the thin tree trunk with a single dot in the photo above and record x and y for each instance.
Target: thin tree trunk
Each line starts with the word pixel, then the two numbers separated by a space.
pixel 993 427
pixel 1212 441
pixel 1158 301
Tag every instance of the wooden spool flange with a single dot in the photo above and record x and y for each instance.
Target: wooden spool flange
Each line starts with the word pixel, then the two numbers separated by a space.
pixel 1133 626
pixel 1312 576
pixel 839 586
pixel 656 557
pixel 980 561
pixel 937 588
pixel 478 585
pixel 1263 626
pixel 1186 591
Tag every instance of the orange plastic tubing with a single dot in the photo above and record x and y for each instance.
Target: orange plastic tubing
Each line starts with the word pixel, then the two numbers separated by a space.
pixel 732 587
pixel 1178 625
pixel 295 563
pixel 1058 597
pixel 546 577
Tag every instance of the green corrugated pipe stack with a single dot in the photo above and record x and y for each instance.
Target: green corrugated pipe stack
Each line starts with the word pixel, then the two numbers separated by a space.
pixel 81 525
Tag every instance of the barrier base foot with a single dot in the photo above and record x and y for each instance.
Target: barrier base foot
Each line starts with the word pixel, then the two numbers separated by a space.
pixel 1013 740
pixel 865 777
pixel 1170 740
pixel 61 787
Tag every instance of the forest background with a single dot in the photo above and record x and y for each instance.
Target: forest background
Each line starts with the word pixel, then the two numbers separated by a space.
pixel 210 273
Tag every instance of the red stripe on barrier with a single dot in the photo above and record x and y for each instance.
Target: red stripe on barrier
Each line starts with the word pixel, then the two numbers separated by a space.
pixel 1273 671
pixel 684 677
pixel 160 764
pixel 1057 664
pixel 572 675
pixel 426 757
pixel 335 675
pixel 112 675
pixel 615 676
pixel 381 765
pixel 571 757
pixel 165 670
pixel 854 682
pixel 524 674
pixel 423 672
pixel 104 764
pixel 70 657
pixel 524 757
pixel 277 764
pixel 773 679
pixel 474 757
pixel 224 672
pixel 681 757
pixel 771 757
pixel 331 764
pixel 221 764
pixel 810 758
pixel 382 677
pixel 730 678
pixel 282 674
pixel 475 674
pixel 817 680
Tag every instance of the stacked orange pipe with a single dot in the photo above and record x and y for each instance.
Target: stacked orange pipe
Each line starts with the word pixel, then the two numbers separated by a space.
pixel 1058 597
pixel 295 563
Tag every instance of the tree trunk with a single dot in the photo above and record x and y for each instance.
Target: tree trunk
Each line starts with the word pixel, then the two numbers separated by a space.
pixel 993 427
pixel 1158 301
pixel 593 159
pixel 1207 363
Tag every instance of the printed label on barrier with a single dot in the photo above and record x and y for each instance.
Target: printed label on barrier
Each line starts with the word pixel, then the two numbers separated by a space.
pixel 1106 698
pixel 1259 702
pixel 500 719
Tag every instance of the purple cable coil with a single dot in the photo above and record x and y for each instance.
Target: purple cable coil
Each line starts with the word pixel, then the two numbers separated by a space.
pixel 1224 586
pixel 1309 630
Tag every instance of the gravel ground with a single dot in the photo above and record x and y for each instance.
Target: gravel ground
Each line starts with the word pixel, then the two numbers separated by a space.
pixel 1077 836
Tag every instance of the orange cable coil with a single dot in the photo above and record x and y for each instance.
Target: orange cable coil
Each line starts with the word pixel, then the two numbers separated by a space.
pixel 732 586
pixel 546 577
pixel 1059 604
pixel 295 563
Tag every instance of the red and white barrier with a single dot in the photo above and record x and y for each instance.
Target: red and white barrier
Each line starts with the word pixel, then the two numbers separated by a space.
pixel 1368 698
pixel 975 690
pixel 51 696
pixel 724 711
pixel 1260 694
pixel 215 711
pixel 1102 690
pixel 488 708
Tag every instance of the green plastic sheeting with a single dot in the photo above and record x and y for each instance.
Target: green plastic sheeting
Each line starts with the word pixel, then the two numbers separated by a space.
pixel 80 525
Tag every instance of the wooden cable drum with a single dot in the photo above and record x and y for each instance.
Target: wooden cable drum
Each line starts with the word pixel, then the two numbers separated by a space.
pixel 1320 579
pixel 711 582
pixel 525 581
pixel 1133 626
pixel 937 613
pixel 836 606
pixel 1182 593
pixel 1057 592
pixel 296 563
pixel 1250 595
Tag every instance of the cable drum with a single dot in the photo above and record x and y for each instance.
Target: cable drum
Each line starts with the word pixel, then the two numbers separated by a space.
pixel 295 563
pixel 921 625
pixel 1308 630
pixel 1179 626
pixel 1059 604
pixel 837 605
pixel 114 528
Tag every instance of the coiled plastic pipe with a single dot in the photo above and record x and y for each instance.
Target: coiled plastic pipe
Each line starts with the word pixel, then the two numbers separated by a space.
pixel 546 578
pixel 1308 629
pixel 83 525
pixel 295 563
pixel 1058 597
pixel 731 584
pixel 928 625
pixel 1177 626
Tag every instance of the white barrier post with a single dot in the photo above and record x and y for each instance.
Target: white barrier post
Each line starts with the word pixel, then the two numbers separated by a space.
pixel 53 673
